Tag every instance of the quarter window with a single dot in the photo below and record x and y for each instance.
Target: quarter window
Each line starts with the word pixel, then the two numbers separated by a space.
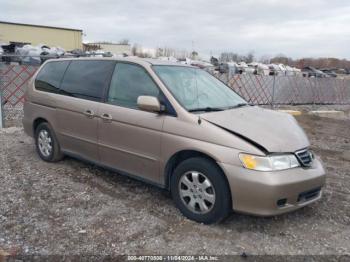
pixel 50 76
pixel 130 81
pixel 87 79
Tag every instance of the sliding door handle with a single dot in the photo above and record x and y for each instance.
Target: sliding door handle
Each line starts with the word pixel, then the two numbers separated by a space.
pixel 106 117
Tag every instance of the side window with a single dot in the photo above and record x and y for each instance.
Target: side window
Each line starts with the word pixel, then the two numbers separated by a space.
pixel 128 83
pixel 50 76
pixel 87 79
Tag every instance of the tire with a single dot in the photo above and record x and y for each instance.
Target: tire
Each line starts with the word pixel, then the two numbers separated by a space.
pixel 47 144
pixel 207 202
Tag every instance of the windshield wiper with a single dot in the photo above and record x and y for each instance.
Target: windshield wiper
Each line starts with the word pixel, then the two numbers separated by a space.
pixel 238 105
pixel 206 109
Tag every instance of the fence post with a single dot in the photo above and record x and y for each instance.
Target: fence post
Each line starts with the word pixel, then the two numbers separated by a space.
pixel 314 94
pixel 273 92
pixel 1 110
pixel 2 114
pixel 229 75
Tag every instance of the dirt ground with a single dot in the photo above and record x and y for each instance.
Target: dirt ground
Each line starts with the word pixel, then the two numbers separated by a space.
pixel 74 208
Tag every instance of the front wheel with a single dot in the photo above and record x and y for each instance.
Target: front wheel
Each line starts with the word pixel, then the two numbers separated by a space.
pixel 200 190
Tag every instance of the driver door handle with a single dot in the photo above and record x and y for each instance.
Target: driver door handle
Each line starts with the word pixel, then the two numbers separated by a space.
pixel 89 113
pixel 106 118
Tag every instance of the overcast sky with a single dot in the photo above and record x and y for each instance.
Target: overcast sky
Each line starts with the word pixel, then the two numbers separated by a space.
pixel 297 28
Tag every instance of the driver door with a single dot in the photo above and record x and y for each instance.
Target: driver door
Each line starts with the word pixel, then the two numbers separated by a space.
pixel 129 139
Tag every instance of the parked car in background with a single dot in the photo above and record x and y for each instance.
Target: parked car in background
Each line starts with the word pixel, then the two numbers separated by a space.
pixel 8 51
pixel 297 72
pixel 177 127
pixel 329 72
pixel 310 71
pixel 289 71
pixel 242 67
pixel 282 69
pixel 251 69
pixel 214 61
pixel 341 71
pixel 263 69
pixel 274 69
pixel 228 68
pixel 258 68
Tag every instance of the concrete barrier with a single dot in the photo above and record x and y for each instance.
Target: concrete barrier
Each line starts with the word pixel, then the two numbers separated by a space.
pixel 292 112
pixel 328 113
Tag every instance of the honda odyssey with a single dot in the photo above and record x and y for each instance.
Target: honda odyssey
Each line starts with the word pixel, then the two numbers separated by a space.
pixel 177 127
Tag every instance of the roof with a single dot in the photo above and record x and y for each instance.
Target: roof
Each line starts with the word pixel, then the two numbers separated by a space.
pixel 44 26
pixel 138 60
pixel 163 62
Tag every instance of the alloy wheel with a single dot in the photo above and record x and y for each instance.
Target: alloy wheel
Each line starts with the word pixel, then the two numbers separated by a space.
pixel 45 143
pixel 197 192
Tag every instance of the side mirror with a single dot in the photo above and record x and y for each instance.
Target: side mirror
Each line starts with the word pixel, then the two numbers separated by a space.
pixel 149 103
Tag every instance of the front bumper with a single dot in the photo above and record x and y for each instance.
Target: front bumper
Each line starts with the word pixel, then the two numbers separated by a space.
pixel 273 193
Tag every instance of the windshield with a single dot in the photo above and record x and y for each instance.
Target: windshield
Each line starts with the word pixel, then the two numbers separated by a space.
pixel 197 90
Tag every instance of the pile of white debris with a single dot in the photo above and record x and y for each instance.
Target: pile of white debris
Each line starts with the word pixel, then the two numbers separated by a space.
pixel 35 54
pixel 29 54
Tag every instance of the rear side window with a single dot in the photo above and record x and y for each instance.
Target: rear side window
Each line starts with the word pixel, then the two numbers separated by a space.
pixel 87 79
pixel 128 83
pixel 50 76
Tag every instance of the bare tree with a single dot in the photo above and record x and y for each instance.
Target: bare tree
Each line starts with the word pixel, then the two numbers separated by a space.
pixel 124 41
pixel 194 54
pixel 282 59
pixel 159 52
pixel 134 49
pixel 265 59
pixel 250 57
pixel 314 62
pixel 228 57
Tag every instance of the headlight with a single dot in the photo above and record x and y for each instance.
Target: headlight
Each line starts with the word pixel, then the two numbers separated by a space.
pixel 269 163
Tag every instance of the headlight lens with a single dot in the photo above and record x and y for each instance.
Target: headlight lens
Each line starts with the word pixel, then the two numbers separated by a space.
pixel 268 163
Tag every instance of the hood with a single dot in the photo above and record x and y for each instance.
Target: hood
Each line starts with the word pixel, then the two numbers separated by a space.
pixel 266 129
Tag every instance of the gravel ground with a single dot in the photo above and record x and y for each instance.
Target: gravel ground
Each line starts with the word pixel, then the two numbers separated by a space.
pixel 74 208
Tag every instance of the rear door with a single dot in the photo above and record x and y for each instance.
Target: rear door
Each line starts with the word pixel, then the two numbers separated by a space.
pixel 82 90
pixel 129 138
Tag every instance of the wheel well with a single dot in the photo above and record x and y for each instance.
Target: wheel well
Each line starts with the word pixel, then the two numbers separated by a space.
pixel 37 122
pixel 177 158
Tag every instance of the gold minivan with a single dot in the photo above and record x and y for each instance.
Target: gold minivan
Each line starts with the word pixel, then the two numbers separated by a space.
pixel 177 127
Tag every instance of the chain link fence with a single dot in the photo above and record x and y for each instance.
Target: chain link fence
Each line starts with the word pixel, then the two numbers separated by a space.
pixel 256 89
pixel 289 90
pixel 13 84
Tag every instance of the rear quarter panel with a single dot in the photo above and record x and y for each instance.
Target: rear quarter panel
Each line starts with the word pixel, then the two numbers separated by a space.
pixel 38 104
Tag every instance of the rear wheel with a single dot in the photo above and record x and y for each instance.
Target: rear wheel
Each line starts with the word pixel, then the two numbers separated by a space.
pixel 200 190
pixel 47 144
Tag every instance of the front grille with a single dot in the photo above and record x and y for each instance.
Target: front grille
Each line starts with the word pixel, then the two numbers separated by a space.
pixel 305 157
pixel 308 195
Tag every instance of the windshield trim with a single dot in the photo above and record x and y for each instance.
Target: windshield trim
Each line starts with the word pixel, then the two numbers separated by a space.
pixel 193 67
